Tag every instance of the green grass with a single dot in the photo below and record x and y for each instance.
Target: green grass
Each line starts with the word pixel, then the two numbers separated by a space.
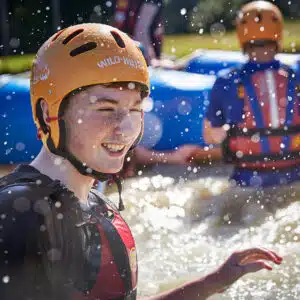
pixel 16 64
pixel 181 45
pixel 178 45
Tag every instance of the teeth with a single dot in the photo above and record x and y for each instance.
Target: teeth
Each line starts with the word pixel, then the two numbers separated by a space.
pixel 114 147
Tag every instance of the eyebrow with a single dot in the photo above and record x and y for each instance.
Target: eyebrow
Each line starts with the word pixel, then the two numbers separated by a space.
pixel 114 101
pixel 106 100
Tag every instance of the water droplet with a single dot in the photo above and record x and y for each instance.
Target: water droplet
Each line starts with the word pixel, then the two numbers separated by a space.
pixel 239 154
pixel 58 161
pixel 20 146
pixel 108 3
pixel 60 216
pixel 97 9
pixel 131 85
pixel 183 11
pixel 21 204
pixel 58 204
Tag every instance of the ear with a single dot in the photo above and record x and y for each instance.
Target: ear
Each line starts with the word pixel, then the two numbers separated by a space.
pixel 45 111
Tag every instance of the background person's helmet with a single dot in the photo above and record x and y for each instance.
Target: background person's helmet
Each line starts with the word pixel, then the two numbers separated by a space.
pixel 76 57
pixel 259 21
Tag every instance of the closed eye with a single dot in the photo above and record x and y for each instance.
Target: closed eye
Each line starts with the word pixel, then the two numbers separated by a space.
pixel 105 109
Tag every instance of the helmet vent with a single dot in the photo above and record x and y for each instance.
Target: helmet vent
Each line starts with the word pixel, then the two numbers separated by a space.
pixel 83 48
pixel 71 36
pixel 58 34
pixel 118 39
pixel 275 19
pixel 258 18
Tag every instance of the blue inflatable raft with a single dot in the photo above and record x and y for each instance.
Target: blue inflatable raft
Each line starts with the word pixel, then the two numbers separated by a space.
pixel 175 109
pixel 173 114
pixel 18 132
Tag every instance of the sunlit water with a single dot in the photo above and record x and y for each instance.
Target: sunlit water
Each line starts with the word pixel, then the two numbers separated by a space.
pixel 180 235
pixel 178 239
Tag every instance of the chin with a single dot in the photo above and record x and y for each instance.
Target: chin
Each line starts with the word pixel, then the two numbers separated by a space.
pixel 110 170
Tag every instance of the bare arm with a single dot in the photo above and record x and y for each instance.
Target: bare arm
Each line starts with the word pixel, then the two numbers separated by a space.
pixel 198 289
pixel 237 265
pixel 181 156
pixel 213 135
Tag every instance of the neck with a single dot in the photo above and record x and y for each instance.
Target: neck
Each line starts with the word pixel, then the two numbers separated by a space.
pixel 261 59
pixel 61 169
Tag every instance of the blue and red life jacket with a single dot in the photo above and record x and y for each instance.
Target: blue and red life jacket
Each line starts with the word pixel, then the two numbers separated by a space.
pixel 260 102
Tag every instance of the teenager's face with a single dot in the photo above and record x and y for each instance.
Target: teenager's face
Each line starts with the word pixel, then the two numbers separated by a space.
pixel 102 123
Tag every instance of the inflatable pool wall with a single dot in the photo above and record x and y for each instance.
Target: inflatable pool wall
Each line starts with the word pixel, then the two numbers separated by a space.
pixel 175 109
pixel 212 61
pixel 18 132
pixel 173 113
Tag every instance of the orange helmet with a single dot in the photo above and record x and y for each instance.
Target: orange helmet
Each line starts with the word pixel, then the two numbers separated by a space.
pixel 79 56
pixel 259 20
pixel 75 57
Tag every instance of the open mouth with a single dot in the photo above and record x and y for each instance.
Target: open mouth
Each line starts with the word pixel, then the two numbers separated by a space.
pixel 114 149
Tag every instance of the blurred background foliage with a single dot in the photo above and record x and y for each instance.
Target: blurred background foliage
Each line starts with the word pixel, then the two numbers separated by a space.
pixel 189 24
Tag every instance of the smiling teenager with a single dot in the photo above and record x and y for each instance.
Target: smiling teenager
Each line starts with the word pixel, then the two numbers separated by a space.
pixel 59 238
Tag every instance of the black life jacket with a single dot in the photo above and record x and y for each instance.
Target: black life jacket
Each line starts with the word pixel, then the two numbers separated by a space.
pixel 73 244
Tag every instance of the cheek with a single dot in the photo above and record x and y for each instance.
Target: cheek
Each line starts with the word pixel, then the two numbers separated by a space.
pixel 85 130
pixel 139 125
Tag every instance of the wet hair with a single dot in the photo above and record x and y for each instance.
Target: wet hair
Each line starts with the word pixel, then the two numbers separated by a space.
pixel 129 86
pixel 116 85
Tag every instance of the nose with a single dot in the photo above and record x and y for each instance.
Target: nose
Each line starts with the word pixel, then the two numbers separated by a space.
pixel 125 125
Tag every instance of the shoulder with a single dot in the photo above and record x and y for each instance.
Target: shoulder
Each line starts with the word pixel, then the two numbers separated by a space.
pixel 226 80
pixel 14 196
pixel 228 74
pixel 287 68
pixel 24 202
pixel 21 209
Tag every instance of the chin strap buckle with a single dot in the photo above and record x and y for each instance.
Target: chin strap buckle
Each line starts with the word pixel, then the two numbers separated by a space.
pixel 119 185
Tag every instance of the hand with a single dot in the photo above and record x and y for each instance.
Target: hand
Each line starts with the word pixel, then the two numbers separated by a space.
pixel 219 134
pixel 214 135
pixel 244 262
pixel 163 63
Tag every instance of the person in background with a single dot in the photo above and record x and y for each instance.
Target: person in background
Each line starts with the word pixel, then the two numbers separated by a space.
pixel 142 20
pixel 254 110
